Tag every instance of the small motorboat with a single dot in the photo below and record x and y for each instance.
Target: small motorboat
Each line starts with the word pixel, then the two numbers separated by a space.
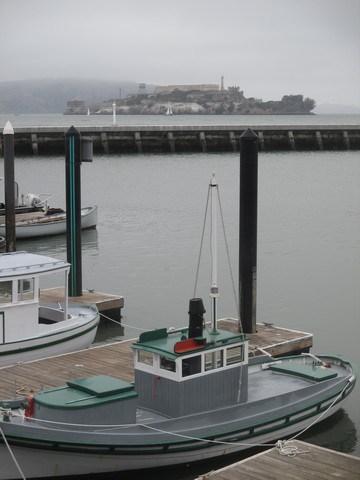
pixel 29 328
pixel 51 221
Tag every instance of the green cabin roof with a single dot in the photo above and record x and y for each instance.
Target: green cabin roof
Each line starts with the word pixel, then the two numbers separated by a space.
pixel 86 392
pixel 316 373
pixel 163 342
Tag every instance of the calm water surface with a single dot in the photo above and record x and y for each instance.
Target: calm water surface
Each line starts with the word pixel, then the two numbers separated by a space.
pixel 145 248
pixel 248 120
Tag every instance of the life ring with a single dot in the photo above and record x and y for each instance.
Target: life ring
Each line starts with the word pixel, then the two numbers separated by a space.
pixel 30 406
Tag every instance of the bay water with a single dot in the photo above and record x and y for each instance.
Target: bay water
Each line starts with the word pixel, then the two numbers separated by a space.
pixel 146 245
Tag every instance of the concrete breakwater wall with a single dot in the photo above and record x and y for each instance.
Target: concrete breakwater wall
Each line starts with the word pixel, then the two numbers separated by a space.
pixel 177 139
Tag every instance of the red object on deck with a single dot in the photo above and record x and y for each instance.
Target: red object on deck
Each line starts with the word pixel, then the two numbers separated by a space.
pixel 188 345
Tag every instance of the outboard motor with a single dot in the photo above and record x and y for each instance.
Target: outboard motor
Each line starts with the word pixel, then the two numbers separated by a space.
pixel 196 318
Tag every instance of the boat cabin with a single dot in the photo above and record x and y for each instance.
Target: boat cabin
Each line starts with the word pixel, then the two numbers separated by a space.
pixel 20 312
pixel 190 370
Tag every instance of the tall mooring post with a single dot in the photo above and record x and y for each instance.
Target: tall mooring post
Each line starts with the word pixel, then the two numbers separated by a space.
pixel 248 229
pixel 9 177
pixel 77 150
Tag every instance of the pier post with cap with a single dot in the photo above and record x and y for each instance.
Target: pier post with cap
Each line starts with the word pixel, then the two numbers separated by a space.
pixel 9 177
pixel 248 229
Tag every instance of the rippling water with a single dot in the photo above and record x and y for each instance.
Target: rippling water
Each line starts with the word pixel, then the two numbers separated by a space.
pixel 151 210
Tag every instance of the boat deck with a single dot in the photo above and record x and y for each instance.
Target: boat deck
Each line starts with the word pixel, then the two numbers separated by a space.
pixel 312 463
pixel 116 359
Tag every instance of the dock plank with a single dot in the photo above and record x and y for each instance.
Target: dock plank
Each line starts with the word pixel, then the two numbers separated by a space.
pixel 116 359
pixel 311 463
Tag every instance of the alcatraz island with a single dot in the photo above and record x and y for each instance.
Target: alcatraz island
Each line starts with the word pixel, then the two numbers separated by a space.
pixel 207 99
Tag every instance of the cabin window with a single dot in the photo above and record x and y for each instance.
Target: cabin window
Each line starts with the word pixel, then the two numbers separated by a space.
pixel 234 355
pixel 6 292
pixel 214 360
pixel 26 289
pixel 145 357
pixel 191 366
pixel 167 364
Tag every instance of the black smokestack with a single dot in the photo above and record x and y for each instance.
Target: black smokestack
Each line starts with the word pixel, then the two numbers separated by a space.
pixel 196 317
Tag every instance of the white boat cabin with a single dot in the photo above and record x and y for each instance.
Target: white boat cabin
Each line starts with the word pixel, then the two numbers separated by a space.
pixel 20 312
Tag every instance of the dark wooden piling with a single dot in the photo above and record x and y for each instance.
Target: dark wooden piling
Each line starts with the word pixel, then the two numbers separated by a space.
pixel 73 210
pixel 9 177
pixel 248 229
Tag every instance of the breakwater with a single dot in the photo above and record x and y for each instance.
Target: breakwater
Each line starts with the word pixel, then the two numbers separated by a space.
pixel 186 138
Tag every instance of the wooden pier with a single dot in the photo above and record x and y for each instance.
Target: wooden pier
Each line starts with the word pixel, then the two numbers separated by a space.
pixel 116 359
pixel 310 463
pixel 107 304
pixel 140 139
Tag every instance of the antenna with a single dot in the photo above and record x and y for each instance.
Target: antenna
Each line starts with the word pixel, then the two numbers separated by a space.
pixel 114 113
pixel 214 290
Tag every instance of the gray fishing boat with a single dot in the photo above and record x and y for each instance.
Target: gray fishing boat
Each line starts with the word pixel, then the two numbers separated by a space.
pixel 196 395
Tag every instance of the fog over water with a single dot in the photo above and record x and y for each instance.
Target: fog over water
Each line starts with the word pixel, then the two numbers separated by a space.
pixel 267 48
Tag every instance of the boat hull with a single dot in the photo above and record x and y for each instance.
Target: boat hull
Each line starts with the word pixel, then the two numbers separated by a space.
pixel 52 225
pixel 67 336
pixel 55 463
pixel 80 450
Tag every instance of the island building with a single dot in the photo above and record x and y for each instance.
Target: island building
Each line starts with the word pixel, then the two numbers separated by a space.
pixel 202 87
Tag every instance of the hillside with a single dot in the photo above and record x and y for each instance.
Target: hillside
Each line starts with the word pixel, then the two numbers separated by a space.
pixel 50 96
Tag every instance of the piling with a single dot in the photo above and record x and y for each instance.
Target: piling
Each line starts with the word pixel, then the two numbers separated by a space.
pixel 73 210
pixel 9 176
pixel 248 229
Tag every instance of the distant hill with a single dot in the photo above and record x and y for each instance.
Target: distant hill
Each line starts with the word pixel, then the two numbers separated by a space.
pixel 329 108
pixel 50 96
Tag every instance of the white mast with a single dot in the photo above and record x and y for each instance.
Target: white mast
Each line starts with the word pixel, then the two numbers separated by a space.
pixel 214 290
pixel 114 113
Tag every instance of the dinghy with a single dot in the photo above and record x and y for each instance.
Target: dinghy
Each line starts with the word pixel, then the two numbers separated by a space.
pixel 49 222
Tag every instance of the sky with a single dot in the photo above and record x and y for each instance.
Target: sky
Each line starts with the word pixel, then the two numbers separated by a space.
pixel 267 47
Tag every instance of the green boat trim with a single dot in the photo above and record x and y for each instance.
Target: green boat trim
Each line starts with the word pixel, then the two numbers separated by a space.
pixel 48 344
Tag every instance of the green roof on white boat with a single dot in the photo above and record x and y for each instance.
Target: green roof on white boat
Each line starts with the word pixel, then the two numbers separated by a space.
pixel 163 342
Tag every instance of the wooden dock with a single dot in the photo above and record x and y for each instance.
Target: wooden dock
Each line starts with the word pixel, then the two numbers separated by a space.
pixel 109 305
pixel 125 139
pixel 116 359
pixel 311 463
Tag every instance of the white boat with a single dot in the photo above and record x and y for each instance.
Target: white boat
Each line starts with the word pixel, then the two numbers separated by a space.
pixel 196 395
pixel 29 329
pixel 38 224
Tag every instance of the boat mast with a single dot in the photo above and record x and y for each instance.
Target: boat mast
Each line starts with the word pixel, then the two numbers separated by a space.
pixel 214 290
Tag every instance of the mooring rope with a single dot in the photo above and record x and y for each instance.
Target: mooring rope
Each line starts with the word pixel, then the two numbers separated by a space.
pixel 12 454
pixel 284 446
pixel 122 324
pixel 236 299
pixel 201 243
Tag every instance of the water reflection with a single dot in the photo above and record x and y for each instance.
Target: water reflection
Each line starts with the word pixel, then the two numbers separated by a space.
pixel 337 433
pixel 56 245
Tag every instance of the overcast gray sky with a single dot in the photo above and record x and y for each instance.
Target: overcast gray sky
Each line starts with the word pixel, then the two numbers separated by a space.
pixel 267 47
